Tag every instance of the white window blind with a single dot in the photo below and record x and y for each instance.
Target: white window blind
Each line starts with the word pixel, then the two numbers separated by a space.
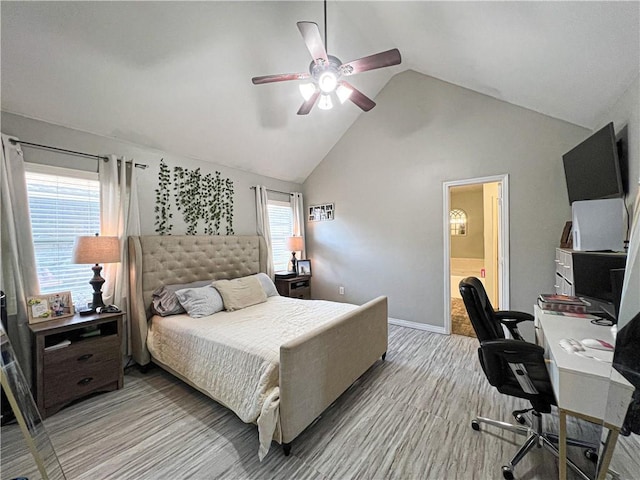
pixel 63 204
pixel 281 224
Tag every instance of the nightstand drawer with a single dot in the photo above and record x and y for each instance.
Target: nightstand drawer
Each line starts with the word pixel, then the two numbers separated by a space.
pixel 84 352
pixel 62 386
pixel 301 292
pixel 80 369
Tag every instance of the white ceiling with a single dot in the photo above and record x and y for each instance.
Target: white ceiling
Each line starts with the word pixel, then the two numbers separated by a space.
pixel 176 76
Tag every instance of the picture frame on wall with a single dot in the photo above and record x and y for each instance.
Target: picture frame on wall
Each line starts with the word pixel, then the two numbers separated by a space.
pixel 304 268
pixel 51 306
pixel 318 213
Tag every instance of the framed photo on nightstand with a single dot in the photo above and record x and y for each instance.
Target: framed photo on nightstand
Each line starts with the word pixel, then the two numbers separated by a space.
pixel 304 268
pixel 50 307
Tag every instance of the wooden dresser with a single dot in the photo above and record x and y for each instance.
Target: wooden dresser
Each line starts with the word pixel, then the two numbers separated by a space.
pixel 74 357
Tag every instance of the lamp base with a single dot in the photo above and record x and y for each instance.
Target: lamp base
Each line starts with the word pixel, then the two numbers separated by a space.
pixel 86 311
pixel 96 282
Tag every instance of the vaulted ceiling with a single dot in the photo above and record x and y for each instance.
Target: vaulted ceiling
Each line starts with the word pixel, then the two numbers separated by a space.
pixel 176 76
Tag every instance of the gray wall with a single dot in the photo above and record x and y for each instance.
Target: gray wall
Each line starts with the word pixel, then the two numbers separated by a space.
pixel 471 202
pixel 385 176
pixel 35 131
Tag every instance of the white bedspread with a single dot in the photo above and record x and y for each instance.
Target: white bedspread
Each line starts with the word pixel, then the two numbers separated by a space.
pixel 234 356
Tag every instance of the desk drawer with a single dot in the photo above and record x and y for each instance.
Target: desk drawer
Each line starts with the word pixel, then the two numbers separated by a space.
pixel 567 265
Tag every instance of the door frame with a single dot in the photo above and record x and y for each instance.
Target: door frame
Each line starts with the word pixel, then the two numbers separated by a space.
pixel 503 243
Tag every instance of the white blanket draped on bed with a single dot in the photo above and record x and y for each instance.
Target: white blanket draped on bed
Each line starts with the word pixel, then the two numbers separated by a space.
pixel 235 356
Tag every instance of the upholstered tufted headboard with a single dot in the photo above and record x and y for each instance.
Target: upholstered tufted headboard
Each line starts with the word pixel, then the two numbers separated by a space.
pixel 170 259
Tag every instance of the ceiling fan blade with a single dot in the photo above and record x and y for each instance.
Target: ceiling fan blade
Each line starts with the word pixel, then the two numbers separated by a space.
pixel 378 60
pixel 306 107
pixel 282 77
pixel 359 98
pixel 311 35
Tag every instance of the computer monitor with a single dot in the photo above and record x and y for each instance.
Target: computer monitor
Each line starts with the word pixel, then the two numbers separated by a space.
pixel 591 274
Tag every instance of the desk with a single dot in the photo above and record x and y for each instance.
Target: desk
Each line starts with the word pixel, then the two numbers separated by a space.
pixel 584 387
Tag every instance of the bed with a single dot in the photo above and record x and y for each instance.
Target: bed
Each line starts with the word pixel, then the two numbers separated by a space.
pixel 301 370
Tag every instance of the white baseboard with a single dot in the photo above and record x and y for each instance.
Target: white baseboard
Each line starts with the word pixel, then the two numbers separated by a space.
pixel 417 326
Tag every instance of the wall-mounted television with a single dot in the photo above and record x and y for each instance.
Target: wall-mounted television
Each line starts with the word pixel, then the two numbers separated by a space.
pixel 592 168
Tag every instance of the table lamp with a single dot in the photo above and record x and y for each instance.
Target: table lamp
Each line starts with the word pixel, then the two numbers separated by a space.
pixel 295 244
pixel 96 249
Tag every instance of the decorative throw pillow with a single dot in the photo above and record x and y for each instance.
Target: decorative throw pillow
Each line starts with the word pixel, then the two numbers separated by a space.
pixel 164 301
pixel 240 292
pixel 267 284
pixel 200 302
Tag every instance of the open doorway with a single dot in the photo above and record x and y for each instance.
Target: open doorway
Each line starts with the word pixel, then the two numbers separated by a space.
pixel 476 224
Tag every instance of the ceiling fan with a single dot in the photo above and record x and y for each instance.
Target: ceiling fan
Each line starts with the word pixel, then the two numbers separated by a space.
pixel 326 72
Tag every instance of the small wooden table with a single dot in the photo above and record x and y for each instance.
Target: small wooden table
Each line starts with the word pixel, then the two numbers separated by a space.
pixel 74 357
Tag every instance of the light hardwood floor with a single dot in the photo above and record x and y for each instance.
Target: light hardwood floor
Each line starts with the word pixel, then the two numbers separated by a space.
pixel 407 417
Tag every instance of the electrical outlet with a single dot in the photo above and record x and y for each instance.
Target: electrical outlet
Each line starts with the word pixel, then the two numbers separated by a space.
pixel 341 290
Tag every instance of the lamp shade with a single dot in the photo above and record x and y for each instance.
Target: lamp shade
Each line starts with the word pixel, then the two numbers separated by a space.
pixel 96 249
pixel 295 244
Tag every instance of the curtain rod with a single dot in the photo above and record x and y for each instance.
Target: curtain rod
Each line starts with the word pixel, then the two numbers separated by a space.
pixel 72 152
pixel 252 187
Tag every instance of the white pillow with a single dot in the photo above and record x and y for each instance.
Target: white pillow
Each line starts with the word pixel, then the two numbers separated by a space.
pixel 200 302
pixel 267 284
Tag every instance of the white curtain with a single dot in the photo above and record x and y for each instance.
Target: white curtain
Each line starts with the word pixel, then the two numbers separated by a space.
pixel 297 207
pixel 119 217
pixel 262 224
pixel 18 277
pixel 630 302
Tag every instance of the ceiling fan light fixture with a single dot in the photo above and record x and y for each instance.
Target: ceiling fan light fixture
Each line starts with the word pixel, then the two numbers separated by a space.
pixel 327 81
pixel 343 93
pixel 325 102
pixel 307 90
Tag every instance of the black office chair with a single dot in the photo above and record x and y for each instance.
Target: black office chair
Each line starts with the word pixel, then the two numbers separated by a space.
pixel 516 368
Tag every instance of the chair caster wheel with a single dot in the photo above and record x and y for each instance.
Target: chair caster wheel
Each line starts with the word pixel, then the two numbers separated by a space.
pixel 591 454
pixel 507 473
pixel 520 419
pixel 475 425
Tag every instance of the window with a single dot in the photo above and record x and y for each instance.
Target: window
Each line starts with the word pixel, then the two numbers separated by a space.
pixel 458 222
pixel 281 224
pixel 63 204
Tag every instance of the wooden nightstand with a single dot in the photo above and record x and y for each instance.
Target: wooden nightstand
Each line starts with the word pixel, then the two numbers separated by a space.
pixel 91 362
pixel 296 287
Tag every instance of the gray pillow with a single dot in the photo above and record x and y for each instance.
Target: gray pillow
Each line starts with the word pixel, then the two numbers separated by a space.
pixel 200 302
pixel 164 301
pixel 267 284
